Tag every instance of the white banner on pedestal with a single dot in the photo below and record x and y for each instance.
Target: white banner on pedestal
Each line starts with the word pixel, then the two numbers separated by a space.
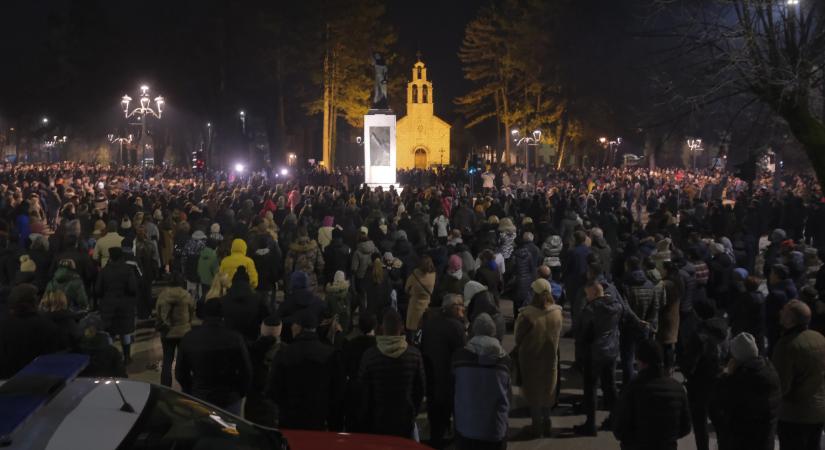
pixel 379 150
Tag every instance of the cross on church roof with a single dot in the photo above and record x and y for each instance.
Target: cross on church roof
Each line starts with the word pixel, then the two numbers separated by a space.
pixel 418 55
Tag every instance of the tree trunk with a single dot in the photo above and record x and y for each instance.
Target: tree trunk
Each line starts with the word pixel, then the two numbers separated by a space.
pixel 810 132
pixel 333 117
pixel 505 107
pixel 327 111
pixel 562 138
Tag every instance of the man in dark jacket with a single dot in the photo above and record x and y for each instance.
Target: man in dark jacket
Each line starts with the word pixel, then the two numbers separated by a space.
pixel 307 380
pixel 640 294
pixel 442 334
pixel 781 290
pixel 482 389
pixel 352 353
pixel 25 334
pixel 799 358
pixel 300 298
pixel 243 310
pixel 524 272
pixel 597 347
pixel 213 362
pixel 748 395
pixel 653 412
pixel 393 381
pixel 704 355
pixel 268 260
pixel 575 274
pixel 336 255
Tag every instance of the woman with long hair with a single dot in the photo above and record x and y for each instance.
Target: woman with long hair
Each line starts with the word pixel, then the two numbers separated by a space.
pixel 419 288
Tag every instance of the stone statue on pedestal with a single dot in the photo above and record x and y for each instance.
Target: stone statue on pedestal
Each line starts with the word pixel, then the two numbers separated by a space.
pixel 379 97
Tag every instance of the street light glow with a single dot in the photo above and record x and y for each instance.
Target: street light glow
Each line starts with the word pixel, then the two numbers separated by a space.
pixel 45 120
pixel 242 113
pixel 284 172
pixel 793 2
pixel 239 167
pixel 603 140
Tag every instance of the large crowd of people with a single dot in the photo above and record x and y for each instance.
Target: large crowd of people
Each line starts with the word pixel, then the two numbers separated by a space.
pixel 312 302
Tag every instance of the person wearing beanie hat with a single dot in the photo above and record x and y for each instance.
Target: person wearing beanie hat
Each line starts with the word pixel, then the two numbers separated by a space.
pixel 482 389
pixel 537 333
pixel 748 396
pixel 441 335
pixel 339 300
pixel 654 408
pixel 325 232
pixel 215 232
pixel 453 282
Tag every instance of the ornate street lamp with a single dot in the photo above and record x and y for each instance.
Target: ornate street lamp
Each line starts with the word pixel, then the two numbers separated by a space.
pixel 145 109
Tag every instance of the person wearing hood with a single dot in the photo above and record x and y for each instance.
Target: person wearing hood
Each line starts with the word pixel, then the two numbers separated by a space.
pixel 799 359
pixel 305 256
pixel 67 280
pixel 441 335
pixel 339 300
pixel 104 359
pixel 337 255
pixel 306 380
pixel 537 335
pixel 721 268
pixel 174 312
pixel 600 248
pixel 701 363
pixel 243 309
pixel 215 232
pixel 748 394
pixel 597 347
pixel 393 381
pixel 300 297
pixel 481 370
pixel 524 272
pixel 575 268
pixel 238 258
pixel 478 299
pixel 452 282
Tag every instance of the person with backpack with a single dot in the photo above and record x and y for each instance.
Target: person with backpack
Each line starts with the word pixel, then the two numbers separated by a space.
pixel 174 312
pixel 146 256
pixel 67 280
pixel 339 298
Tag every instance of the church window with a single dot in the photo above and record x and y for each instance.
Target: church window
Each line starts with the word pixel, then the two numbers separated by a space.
pixel 415 94
pixel 418 70
pixel 424 95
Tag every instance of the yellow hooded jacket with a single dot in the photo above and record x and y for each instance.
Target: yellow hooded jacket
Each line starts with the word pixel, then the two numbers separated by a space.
pixel 237 258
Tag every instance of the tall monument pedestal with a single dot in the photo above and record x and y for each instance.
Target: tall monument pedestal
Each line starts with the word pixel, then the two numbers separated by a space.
pixel 379 148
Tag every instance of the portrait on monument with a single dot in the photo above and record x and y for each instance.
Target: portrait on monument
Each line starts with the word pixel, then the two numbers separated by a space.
pixel 380 146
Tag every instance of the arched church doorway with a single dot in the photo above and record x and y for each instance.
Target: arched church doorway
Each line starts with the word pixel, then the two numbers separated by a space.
pixel 420 158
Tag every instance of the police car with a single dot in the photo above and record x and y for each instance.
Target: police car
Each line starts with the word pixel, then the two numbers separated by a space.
pixel 45 406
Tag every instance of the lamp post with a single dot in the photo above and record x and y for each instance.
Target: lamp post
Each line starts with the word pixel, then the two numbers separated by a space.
pixel 612 147
pixel 695 146
pixel 142 111
pixel 527 141
pixel 120 141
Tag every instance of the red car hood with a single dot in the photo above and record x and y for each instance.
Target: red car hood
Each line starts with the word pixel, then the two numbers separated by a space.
pixel 318 440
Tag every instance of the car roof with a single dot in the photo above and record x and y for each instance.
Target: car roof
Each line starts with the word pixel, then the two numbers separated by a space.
pixel 84 415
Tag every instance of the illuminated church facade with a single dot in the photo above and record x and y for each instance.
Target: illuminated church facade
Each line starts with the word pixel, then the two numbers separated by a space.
pixel 423 139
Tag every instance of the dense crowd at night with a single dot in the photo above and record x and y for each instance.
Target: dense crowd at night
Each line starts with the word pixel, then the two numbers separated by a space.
pixel 305 300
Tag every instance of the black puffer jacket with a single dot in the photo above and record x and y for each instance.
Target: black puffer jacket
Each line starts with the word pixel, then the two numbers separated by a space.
pixel 243 311
pixel 749 399
pixel 652 413
pixel 393 389
pixel 307 384
pixel 598 335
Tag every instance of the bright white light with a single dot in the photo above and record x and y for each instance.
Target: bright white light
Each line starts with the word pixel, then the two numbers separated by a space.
pixel 208 124
pixel 514 132
pixel 239 167
pixel 45 120
pixel 284 172
pixel 242 113
pixel 144 89
pixel 793 2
